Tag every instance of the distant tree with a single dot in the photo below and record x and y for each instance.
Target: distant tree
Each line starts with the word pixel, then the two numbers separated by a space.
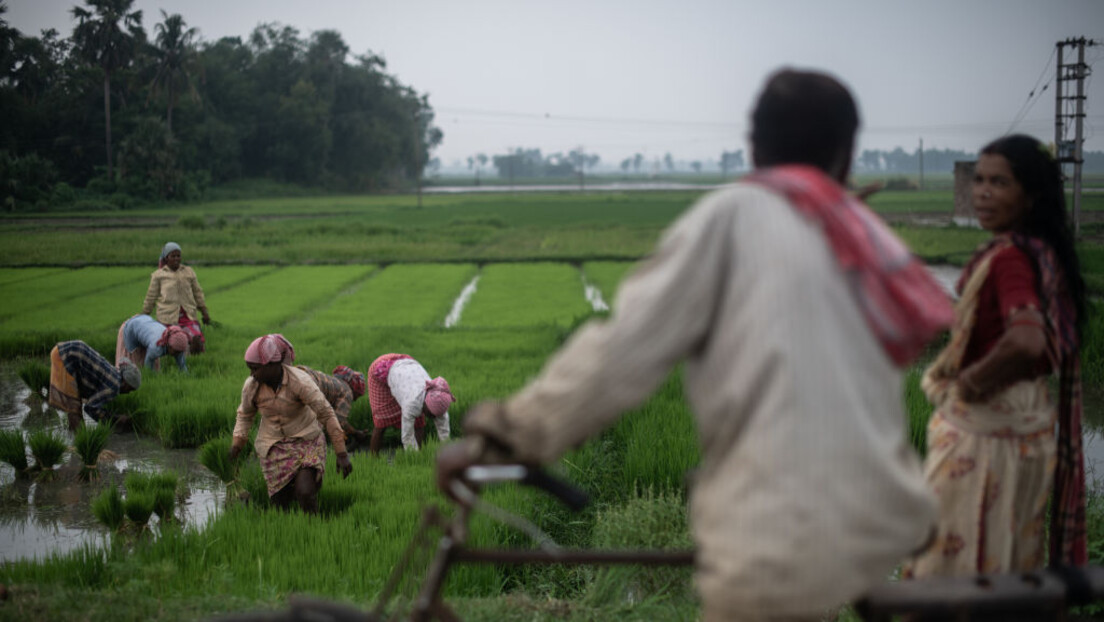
pixel 696 165
pixel 177 61
pixel 638 160
pixel 108 36
pixel 625 165
pixel 669 162
pixel 731 160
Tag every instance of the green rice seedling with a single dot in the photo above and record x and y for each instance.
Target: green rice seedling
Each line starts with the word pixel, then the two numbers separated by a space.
pixel 163 485
pixel 89 442
pixel 36 376
pixel 138 482
pixel 215 455
pixel 252 485
pixel 400 295
pixel 13 450
pixel 917 409
pixel 47 449
pixel 139 507
pixel 515 295
pixel 109 508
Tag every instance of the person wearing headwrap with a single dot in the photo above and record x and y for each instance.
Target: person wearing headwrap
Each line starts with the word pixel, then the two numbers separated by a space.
pixel 293 412
pixel 401 393
pixel 341 390
pixel 176 297
pixel 79 374
pixel 143 341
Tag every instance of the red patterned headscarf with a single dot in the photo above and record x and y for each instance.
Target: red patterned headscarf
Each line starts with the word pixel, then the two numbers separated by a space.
pixel 353 378
pixel 174 337
pixel 269 349
pixel 438 396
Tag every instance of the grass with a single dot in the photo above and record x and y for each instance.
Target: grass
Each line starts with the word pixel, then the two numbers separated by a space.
pixel 514 295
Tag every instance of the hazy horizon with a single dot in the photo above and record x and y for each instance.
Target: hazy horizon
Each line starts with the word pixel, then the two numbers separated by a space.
pixel 655 76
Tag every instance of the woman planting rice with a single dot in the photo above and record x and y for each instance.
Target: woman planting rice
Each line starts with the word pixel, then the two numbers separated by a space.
pixel 341 389
pixel 175 294
pixel 992 454
pixel 143 341
pixel 293 411
pixel 401 394
pixel 79 373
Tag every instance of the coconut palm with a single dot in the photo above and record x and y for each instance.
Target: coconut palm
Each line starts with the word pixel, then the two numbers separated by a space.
pixel 107 35
pixel 175 50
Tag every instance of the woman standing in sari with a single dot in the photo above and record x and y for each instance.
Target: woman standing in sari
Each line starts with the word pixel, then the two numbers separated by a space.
pixel 993 458
pixel 174 293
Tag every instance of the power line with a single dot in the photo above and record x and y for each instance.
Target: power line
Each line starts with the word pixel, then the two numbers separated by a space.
pixel 1030 101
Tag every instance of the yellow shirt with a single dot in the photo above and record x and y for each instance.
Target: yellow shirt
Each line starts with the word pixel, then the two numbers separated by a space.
pixel 172 291
pixel 294 410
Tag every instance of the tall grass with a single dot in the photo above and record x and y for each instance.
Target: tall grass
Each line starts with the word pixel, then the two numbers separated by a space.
pixel 13 450
pixel 90 441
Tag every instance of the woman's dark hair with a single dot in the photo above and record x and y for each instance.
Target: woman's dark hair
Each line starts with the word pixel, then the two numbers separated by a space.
pixel 803 117
pixel 1041 178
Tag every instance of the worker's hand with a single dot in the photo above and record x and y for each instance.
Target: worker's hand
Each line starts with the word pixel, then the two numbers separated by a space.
pixel 452 460
pixel 235 447
pixel 344 465
pixel 206 318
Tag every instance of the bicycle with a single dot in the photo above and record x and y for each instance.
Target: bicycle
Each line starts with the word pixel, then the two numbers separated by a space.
pixel 1042 595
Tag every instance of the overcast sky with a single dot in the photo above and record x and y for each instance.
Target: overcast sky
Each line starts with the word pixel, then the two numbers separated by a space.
pixel 619 77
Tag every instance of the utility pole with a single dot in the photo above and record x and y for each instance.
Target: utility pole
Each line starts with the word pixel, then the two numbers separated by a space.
pixel 1069 151
pixel 921 164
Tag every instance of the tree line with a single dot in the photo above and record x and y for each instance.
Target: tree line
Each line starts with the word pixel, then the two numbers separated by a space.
pixel 110 111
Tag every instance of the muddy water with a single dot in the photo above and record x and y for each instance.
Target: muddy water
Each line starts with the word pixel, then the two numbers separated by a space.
pixel 42 517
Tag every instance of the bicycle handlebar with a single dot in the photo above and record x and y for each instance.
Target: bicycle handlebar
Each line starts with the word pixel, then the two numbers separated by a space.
pixel 567 493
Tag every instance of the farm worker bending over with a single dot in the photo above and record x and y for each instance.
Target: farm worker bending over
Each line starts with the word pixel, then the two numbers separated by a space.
pixel 293 411
pixel 401 393
pixel 143 341
pixel 174 293
pixel 341 390
pixel 795 308
pixel 77 372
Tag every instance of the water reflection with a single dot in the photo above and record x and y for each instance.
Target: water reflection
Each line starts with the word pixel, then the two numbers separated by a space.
pixel 38 518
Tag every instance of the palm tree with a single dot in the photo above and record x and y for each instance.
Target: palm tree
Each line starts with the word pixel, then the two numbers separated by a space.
pixel 107 36
pixel 176 59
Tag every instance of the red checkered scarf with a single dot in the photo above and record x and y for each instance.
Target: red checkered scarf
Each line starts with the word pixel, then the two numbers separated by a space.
pixel 269 349
pixel 903 305
pixel 385 409
pixel 354 379
pixel 1068 543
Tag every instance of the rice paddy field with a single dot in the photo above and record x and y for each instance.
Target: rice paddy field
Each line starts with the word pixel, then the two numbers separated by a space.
pixel 347 279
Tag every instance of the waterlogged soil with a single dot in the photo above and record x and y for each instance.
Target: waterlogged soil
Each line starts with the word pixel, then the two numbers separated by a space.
pixel 40 516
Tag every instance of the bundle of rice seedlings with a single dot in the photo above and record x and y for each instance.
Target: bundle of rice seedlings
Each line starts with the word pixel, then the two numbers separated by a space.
pixel 137 482
pixel 47 449
pixel 89 442
pixel 36 376
pixel 13 451
pixel 215 455
pixel 109 509
pixel 138 507
pixel 163 485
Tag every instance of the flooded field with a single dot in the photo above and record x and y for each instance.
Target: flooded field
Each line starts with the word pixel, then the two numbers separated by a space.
pixel 41 517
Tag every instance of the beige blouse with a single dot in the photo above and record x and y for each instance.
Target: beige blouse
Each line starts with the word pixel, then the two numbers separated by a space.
pixel 808 492
pixel 169 292
pixel 296 410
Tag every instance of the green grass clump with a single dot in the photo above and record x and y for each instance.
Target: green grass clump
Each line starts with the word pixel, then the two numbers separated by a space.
pixel 13 450
pixel 109 508
pixel 139 507
pixel 36 376
pixel 917 409
pixel 215 455
pixel 47 449
pixel 89 442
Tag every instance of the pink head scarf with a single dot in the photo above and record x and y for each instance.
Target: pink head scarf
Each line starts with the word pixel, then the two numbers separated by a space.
pixel 354 379
pixel 438 396
pixel 268 349
pixel 174 337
